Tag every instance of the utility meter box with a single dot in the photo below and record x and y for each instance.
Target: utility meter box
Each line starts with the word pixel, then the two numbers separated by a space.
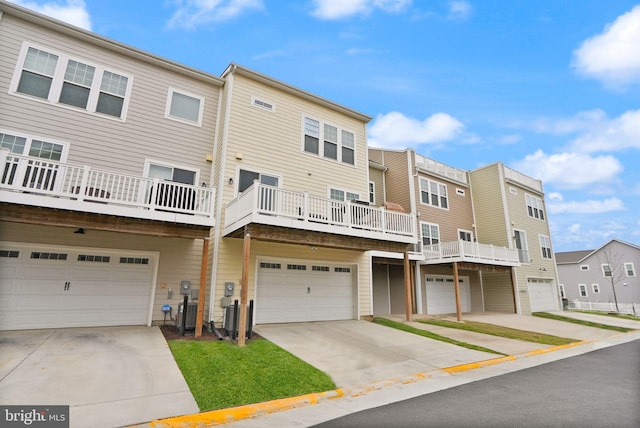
pixel 185 287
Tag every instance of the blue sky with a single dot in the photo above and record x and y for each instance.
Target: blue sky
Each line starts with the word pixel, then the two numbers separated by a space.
pixel 550 88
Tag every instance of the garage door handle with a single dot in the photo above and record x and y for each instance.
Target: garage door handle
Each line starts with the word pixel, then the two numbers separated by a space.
pixel 308 290
pixel 67 285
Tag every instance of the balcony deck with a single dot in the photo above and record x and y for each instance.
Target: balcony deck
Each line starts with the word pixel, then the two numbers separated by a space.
pixel 40 182
pixel 472 252
pixel 273 206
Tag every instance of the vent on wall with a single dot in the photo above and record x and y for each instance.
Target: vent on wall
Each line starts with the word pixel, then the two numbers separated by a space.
pixel 257 102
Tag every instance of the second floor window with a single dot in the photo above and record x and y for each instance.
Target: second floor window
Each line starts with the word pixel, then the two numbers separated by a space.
pixel 24 145
pixel 520 238
pixel 430 233
pixel 433 193
pixel 184 107
pixel 606 269
pixel 59 79
pixel 337 144
pixel 629 269
pixel 545 246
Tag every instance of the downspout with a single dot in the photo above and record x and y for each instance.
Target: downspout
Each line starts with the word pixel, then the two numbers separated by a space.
pixel 220 191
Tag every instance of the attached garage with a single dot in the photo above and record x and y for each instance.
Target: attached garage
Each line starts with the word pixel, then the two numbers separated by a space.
pixel 56 287
pixel 302 291
pixel 541 295
pixel 440 294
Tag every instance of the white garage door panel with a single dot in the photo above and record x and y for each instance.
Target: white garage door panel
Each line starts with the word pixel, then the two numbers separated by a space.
pixel 72 292
pixel 292 295
pixel 441 294
pixel 542 296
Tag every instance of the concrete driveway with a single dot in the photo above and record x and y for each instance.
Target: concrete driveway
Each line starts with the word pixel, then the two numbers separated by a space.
pixel 360 353
pixel 110 376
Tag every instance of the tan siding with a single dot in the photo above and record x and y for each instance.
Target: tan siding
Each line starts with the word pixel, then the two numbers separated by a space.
pixel 263 137
pixel 498 292
pixel 146 133
pixel 458 216
pixel 489 207
pixel 179 259
pixel 377 177
pixel 397 178
pixel 229 268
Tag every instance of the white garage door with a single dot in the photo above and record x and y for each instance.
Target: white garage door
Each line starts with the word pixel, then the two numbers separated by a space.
pixel 441 294
pixel 541 295
pixel 50 287
pixel 296 291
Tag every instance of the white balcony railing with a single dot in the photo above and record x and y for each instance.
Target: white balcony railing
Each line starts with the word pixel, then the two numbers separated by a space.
pixel 470 252
pixel 42 182
pixel 272 205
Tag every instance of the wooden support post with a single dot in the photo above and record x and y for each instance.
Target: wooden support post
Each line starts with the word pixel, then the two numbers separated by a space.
pixel 456 284
pixel 244 285
pixel 201 290
pixel 407 286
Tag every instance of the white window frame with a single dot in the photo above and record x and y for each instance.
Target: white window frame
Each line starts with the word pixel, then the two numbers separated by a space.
pixel 341 143
pixel 628 266
pixel 604 267
pixel 535 207
pixel 167 111
pixel 424 224
pixel 584 267
pixel 563 294
pixel 595 288
pixel 545 247
pixel 523 253
pixel 466 232
pixel 255 171
pixel 346 193
pixel 149 162
pixel 58 78
pixel 372 192
pixel 582 290
pixel 29 140
pixel 423 181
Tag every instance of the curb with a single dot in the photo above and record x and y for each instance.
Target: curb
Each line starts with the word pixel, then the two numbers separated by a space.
pixel 222 416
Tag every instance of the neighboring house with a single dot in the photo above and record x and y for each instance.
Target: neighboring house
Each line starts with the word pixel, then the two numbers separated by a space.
pixel 587 276
pixel 293 173
pixel 472 227
pixel 106 194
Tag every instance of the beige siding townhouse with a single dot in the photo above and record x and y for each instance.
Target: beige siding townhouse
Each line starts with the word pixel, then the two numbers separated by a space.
pixel 462 224
pixel 293 175
pixel 510 211
pixel 106 193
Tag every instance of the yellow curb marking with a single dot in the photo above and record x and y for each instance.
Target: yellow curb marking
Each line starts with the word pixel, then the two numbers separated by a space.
pixel 477 365
pixel 555 348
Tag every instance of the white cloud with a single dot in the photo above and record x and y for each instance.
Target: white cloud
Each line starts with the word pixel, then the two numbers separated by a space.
pixel 595 131
pixel 586 207
pixel 338 9
pixel 72 12
pixel 570 170
pixel 459 10
pixel 193 13
pixel 611 135
pixel 395 130
pixel 555 196
pixel 613 56
pixel 509 139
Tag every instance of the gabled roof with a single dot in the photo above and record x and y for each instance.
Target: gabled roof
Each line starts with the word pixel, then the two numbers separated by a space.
pixel 569 257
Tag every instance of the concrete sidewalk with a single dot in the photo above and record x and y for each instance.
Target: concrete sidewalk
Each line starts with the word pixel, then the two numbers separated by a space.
pixel 394 380
pixel 602 319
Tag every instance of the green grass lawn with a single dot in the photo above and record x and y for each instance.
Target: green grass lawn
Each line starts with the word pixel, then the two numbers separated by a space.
pixel 430 335
pixel 497 330
pixel 605 314
pixel 221 374
pixel 581 322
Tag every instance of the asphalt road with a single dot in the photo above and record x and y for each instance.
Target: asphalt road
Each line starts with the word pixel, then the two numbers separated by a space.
pixel 597 389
